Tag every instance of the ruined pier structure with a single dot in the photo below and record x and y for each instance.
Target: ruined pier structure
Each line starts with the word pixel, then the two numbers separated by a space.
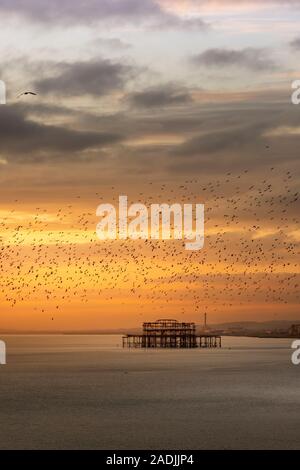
pixel 171 334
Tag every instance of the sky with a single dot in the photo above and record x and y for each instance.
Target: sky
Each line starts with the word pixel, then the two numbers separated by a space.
pixel 167 101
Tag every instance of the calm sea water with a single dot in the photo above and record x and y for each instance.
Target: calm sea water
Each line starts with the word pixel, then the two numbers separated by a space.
pixel 86 392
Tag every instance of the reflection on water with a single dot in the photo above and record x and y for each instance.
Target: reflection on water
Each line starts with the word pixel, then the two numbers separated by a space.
pixel 86 392
pixel 77 343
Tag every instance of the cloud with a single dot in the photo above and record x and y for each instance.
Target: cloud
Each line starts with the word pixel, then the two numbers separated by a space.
pixel 77 11
pixel 295 44
pixel 111 43
pixel 170 21
pixel 179 139
pixel 160 96
pixel 25 140
pixel 221 141
pixel 82 78
pixel 93 11
pixel 250 58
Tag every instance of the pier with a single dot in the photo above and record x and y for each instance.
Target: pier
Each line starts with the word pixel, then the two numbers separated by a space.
pixel 168 333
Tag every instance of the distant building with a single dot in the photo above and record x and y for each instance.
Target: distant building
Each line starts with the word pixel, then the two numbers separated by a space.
pixel 295 330
pixel 171 334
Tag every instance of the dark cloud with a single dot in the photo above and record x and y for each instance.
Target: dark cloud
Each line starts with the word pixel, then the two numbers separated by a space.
pixel 249 58
pixel 44 110
pixel 216 136
pixel 160 96
pixel 76 11
pixel 219 138
pixel 249 144
pixel 295 44
pixel 25 140
pixel 222 141
pixel 81 78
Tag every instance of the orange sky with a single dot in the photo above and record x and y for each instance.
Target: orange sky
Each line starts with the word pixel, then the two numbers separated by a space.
pixel 58 276
pixel 180 101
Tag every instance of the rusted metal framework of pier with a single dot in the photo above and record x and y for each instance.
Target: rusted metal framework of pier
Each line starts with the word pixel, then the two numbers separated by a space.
pixel 171 334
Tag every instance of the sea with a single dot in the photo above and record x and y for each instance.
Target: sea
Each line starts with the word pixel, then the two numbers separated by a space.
pixel 87 392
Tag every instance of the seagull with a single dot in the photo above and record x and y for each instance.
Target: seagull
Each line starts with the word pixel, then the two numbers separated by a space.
pixel 27 93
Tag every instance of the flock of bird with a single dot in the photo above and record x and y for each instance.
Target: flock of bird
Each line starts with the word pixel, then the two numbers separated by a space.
pixel 53 259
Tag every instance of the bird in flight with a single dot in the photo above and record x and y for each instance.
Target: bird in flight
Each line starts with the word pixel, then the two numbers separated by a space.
pixel 27 93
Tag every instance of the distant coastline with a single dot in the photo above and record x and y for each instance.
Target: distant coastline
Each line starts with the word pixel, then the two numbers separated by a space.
pixel 270 329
